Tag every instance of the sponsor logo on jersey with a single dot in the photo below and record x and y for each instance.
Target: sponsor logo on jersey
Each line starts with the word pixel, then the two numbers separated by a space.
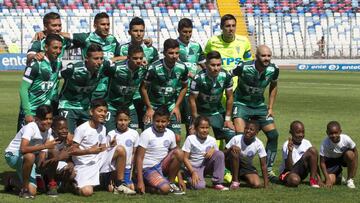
pixel 231 60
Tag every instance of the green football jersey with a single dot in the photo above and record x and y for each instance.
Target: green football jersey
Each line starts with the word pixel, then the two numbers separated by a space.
pixel 39 46
pixel 123 83
pixel 151 55
pixel 78 85
pixel 210 91
pixel 43 77
pixel 164 82
pixel 252 84
pixel 110 47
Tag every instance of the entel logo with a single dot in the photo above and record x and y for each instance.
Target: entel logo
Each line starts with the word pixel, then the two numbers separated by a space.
pixel 333 67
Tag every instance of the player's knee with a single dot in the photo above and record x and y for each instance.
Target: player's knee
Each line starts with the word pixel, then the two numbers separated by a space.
pixel 219 155
pixel 178 138
pixel 29 157
pixel 179 154
pixel 349 155
pixel 234 156
pixel 200 185
pixel 86 191
pixel 293 180
pixel 120 150
pixel 254 182
pixel 312 151
pixel 165 189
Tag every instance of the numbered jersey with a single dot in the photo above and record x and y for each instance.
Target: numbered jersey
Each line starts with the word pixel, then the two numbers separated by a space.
pixel 210 91
pixel 43 77
pixel 151 55
pixel 164 82
pixel 78 86
pixel 123 84
pixel 252 84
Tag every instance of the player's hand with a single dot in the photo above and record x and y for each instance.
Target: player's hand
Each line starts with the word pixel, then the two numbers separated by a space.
pixel 39 36
pixel 229 124
pixel 209 153
pixel 140 187
pixel 270 113
pixel 192 129
pixel 144 62
pixel 69 139
pixel 194 178
pixel 148 42
pixel 39 56
pixel 148 115
pixel 29 119
pixel 328 183
pixel 191 75
pixel 177 113
pixel 113 142
pixel 290 144
pixel 235 150
pixel 50 144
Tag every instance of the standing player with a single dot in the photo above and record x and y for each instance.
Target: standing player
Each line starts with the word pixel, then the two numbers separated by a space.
pixel 39 81
pixel 157 154
pixel 125 78
pixel 240 152
pixel 137 31
pixel 102 37
pixel 192 55
pixel 81 79
pixel 254 76
pixel 89 142
pixel 206 91
pixel 299 158
pixel 233 48
pixel 161 86
pixel 338 150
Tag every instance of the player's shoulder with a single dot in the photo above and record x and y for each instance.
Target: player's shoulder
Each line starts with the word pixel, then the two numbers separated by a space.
pixel 180 65
pixel 258 142
pixel 241 39
pixel 194 44
pixel 157 63
pixel 121 64
pixel 345 136
pixel 306 142
pixel 215 39
pixel 210 139
pixel 224 73
pixel 133 132
pixel 125 46
pixel 273 66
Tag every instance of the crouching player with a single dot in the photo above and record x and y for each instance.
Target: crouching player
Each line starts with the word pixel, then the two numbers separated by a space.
pixel 240 152
pixel 24 151
pixel 202 156
pixel 121 144
pixel 338 150
pixel 89 141
pixel 299 158
pixel 157 156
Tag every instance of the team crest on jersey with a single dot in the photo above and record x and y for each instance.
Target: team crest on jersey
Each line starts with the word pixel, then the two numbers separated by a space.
pixel 166 143
pixel 250 154
pixel 128 143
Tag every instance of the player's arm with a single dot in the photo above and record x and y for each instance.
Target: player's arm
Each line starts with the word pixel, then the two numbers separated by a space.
pixel 25 146
pixel 229 105
pixel 34 52
pixel 264 171
pixel 289 160
pixel 144 94
pixel 273 92
pixel 139 157
pixel 324 171
pixel 95 149
pixel 180 98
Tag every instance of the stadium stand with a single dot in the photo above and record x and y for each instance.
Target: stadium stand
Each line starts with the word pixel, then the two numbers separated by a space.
pixel 291 28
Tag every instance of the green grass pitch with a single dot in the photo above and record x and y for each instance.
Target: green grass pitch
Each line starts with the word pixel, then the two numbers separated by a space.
pixel 312 97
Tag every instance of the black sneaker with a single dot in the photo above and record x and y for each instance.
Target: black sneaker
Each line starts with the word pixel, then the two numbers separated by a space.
pixel 8 187
pixel 24 193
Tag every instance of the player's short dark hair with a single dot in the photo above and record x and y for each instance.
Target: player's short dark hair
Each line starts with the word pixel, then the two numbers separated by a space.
pixel 199 119
pixel 170 44
pixel 185 22
pixel 93 48
pixel 213 55
pixel 136 21
pixel 294 123
pixel 162 111
pixel 225 18
pixel 50 16
pixel 42 110
pixel 100 16
pixel 97 103
pixel 52 37
pixel 135 49
pixel 253 122
pixel 332 124
pixel 125 111
pixel 57 120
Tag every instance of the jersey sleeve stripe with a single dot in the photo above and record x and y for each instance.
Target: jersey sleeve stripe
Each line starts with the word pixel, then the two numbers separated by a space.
pixel 27 80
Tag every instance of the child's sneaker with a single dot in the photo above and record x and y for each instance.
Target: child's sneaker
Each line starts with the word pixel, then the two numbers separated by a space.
pixel 234 185
pixel 220 187
pixel 24 193
pixel 52 192
pixel 175 189
pixel 124 189
pixel 350 184
pixel 314 183
pixel 272 176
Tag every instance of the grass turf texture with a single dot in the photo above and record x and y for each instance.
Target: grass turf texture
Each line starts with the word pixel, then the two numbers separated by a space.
pixel 312 97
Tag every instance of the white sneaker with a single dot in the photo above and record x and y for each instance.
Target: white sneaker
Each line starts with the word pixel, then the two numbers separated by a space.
pixel 124 189
pixel 176 190
pixel 350 184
